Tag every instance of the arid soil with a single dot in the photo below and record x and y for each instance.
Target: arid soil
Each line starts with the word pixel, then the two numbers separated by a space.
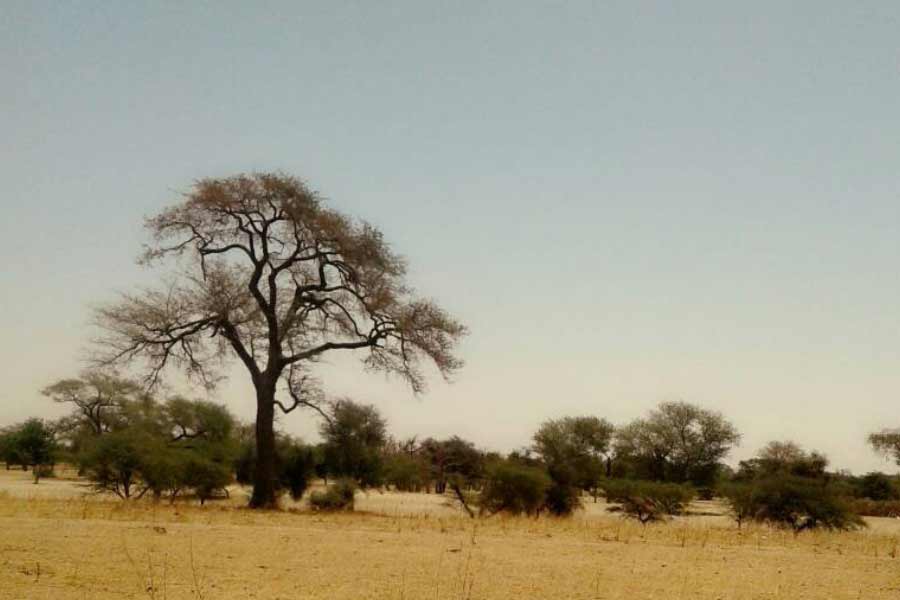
pixel 58 543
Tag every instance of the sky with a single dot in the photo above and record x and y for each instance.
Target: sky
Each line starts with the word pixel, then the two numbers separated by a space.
pixel 626 202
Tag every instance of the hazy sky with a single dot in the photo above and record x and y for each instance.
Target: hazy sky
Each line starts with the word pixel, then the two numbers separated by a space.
pixel 627 202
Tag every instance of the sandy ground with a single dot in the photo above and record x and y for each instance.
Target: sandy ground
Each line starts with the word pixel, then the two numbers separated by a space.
pixel 55 542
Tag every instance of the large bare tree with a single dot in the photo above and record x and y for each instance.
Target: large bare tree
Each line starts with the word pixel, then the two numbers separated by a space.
pixel 268 274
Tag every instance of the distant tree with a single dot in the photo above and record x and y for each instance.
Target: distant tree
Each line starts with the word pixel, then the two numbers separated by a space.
pixel 796 502
pixel 113 463
pixel 887 442
pixel 297 466
pixel 34 443
pixel 163 448
pixel 95 399
pixel 677 442
pixel 354 435
pixel 277 280
pixel 513 488
pixel 576 449
pixel 877 486
pixel 452 461
pixel 783 458
pixel 648 501
pixel 9 449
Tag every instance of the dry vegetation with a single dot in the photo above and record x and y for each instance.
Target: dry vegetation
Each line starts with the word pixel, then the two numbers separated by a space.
pixel 58 544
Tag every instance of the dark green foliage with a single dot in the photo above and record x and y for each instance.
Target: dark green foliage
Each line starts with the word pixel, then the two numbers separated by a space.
pixel 354 436
pixel 336 498
pixel 113 463
pixel 163 449
pixel 514 488
pixel 579 446
pixel 677 442
pixel 783 458
pixel 790 501
pixel 877 486
pixel 647 500
pixel 452 459
pixel 296 464
pixel 563 497
pixel 31 444
pixel 9 450
pixel 406 473
pixel 206 477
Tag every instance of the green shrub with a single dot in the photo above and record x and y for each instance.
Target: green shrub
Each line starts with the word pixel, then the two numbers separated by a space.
pixel 877 486
pixel 405 473
pixel 794 502
pixel 205 477
pixel 337 497
pixel 296 468
pixel 113 463
pixel 647 500
pixel 514 488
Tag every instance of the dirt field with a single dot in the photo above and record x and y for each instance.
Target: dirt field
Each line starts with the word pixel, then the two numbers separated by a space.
pixel 56 543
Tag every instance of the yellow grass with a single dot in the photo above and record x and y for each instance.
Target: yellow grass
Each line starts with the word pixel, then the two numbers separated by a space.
pixel 56 543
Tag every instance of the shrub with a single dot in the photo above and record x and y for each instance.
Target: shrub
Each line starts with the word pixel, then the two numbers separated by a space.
pixel 877 486
pixel 790 501
pixel 647 500
pixel 295 464
pixel 205 477
pixel 563 496
pixel 113 463
pixel 406 473
pixel 337 497
pixel 514 488
pixel 296 468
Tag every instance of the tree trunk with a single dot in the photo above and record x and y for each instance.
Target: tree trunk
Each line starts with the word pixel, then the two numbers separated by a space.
pixel 264 476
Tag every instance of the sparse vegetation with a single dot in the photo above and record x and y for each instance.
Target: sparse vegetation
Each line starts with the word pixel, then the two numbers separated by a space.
pixel 339 496
pixel 648 501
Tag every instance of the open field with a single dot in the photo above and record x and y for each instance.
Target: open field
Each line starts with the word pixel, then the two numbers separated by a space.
pixel 58 543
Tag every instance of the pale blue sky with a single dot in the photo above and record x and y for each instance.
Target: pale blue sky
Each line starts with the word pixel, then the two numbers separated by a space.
pixel 627 202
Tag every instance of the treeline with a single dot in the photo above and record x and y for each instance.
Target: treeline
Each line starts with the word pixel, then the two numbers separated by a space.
pixel 132 444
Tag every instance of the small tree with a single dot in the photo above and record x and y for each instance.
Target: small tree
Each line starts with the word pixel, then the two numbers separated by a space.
pixel 113 463
pixel 95 399
pixel 407 473
pixel 513 488
pixel 576 452
pixel 9 449
pixel 649 501
pixel 453 461
pixel 34 444
pixel 677 442
pixel 206 477
pixel 354 435
pixel 794 502
pixel 298 463
pixel 877 486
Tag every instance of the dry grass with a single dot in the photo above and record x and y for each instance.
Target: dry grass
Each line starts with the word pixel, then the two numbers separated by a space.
pixel 57 546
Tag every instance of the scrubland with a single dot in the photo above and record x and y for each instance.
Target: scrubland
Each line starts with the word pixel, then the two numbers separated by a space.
pixel 59 542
